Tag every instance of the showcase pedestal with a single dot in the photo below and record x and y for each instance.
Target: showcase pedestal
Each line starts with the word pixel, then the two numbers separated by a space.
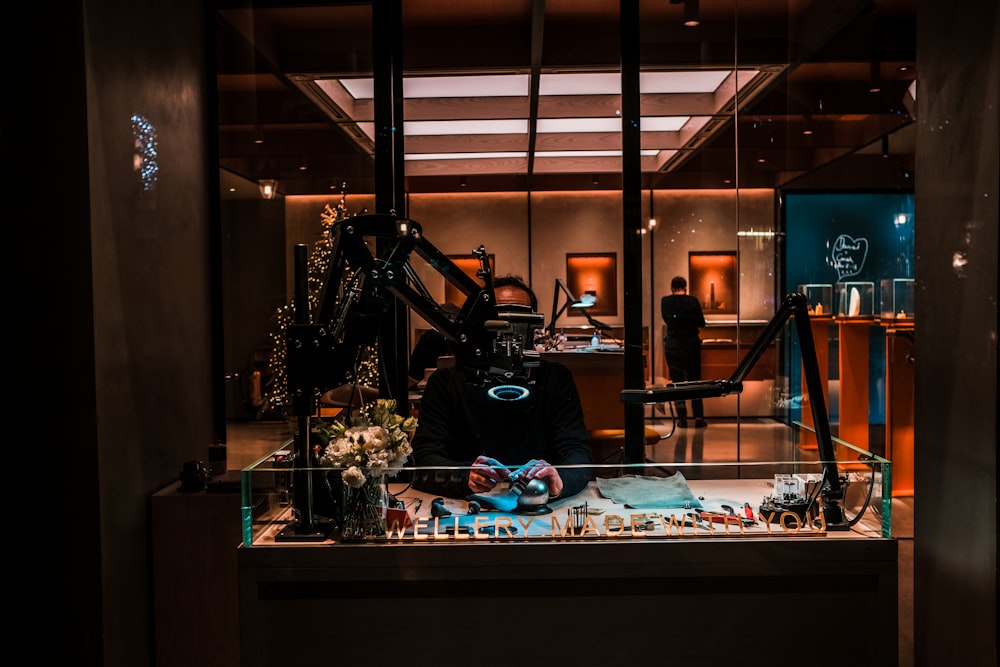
pixel 854 371
pixel 899 370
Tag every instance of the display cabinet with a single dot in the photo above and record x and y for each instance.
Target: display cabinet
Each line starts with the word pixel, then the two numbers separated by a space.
pixel 707 545
pixel 676 501
pixel 856 299
pixel 896 300
pixel 819 297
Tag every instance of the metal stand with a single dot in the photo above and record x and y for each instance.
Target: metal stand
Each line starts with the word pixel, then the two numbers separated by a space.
pixel 305 528
pixel 794 305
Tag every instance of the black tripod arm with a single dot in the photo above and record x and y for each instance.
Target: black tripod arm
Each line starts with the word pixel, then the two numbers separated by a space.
pixel 682 391
pixel 794 305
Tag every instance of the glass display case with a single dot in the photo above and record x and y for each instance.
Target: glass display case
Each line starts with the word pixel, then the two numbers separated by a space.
pixel 820 298
pixel 896 298
pixel 856 300
pixel 688 501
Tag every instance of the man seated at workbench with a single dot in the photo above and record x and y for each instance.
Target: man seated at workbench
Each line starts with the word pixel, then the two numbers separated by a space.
pixel 461 425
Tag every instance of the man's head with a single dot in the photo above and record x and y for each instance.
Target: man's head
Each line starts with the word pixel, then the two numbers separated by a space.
pixel 678 284
pixel 513 291
pixel 513 349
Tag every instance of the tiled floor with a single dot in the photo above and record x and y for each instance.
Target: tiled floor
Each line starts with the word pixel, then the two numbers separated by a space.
pixel 724 441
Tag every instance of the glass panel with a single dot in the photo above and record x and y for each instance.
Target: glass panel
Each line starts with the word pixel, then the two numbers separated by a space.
pixel 843 197
pixel 281 118
pixel 696 210
pixel 775 498
pixel 758 104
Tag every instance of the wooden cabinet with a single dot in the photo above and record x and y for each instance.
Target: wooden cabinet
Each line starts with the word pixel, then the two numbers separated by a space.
pixel 724 344
pixel 195 594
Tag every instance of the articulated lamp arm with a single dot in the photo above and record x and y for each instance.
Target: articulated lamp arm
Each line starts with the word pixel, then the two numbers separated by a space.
pixel 324 344
pixel 794 306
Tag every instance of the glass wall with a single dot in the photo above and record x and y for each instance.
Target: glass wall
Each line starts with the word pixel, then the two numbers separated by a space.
pixel 509 118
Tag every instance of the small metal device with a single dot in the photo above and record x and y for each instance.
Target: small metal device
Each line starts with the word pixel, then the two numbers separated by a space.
pixel 532 494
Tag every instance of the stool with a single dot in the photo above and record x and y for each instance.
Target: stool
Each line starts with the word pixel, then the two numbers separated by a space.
pixel 607 443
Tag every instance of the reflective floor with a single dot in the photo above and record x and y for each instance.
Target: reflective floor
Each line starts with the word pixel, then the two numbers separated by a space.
pixel 723 441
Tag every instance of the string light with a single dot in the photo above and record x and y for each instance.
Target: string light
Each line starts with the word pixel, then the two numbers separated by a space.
pixel 146 151
pixel 277 398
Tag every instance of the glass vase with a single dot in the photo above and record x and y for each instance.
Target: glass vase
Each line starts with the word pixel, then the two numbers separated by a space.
pixel 363 510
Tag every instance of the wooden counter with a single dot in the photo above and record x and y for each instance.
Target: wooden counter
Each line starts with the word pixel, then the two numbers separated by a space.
pixel 724 344
pixel 598 602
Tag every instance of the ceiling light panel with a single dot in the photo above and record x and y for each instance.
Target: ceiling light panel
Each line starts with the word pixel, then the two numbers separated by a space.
pixel 464 127
pixel 516 85
pixel 663 123
pixel 694 81
pixel 609 83
pixel 583 83
pixel 465 156
pixel 488 85
pixel 578 154
pixel 555 125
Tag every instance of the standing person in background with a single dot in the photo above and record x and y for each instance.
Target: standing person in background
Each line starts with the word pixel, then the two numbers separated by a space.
pixel 682 345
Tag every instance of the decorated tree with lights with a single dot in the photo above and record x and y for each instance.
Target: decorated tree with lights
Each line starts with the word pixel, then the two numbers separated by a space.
pixel 277 398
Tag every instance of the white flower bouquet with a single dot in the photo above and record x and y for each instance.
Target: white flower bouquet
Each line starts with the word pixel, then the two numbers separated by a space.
pixel 377 444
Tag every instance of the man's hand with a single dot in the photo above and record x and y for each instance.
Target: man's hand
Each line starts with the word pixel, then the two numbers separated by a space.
pixel 543 470
pixel 486 473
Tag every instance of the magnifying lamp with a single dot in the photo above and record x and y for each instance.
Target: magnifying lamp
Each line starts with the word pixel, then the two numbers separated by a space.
pixel 588 301
pixel 581 304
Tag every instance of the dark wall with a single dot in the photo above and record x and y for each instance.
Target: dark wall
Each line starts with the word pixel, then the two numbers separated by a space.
pixel 48 323
pixel 115 301
pixel 955 431
pixel 110 362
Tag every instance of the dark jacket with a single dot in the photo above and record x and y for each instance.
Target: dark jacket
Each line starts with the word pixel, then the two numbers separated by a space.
pixel 458 422
pixel 683 316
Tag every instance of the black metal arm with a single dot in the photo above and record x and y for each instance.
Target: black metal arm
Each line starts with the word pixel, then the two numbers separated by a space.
pixel 359 289
pixel 794 305
pixel 557 311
